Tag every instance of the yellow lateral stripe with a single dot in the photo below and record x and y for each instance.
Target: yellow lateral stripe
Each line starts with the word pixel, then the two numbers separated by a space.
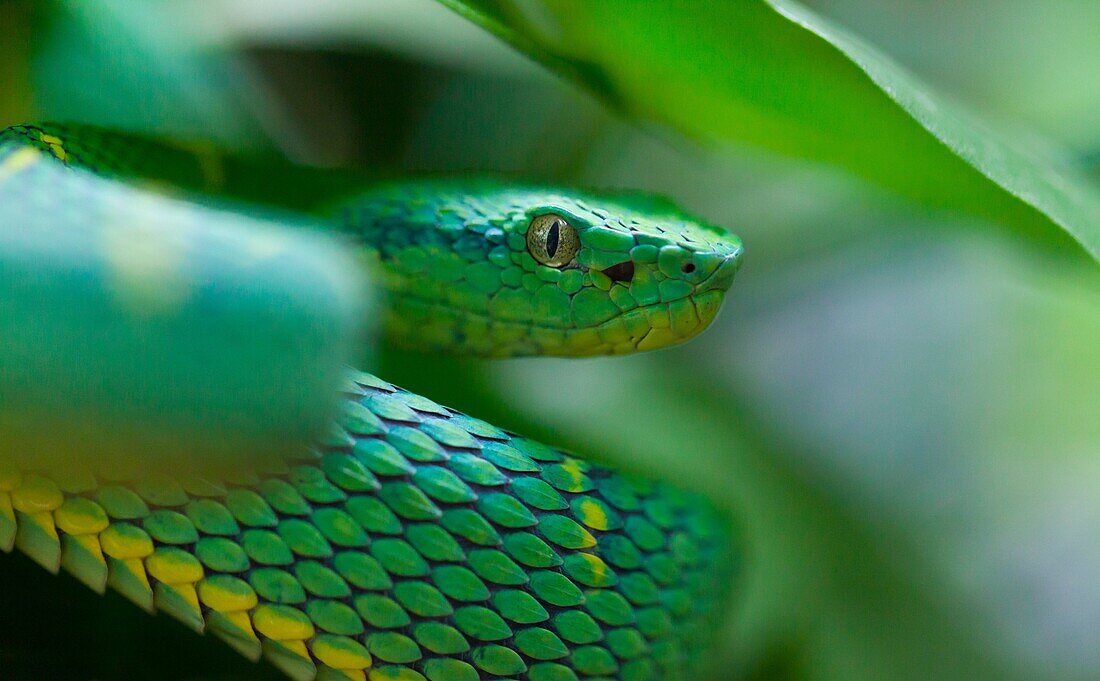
pixel 56 145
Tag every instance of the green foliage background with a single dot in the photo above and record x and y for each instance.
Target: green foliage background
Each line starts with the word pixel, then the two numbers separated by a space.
pixel 899 403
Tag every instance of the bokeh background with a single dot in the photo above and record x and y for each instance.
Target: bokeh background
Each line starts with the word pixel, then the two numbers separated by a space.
pixel 900 404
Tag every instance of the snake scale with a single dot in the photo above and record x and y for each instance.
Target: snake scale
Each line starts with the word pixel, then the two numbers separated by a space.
pixel 415 542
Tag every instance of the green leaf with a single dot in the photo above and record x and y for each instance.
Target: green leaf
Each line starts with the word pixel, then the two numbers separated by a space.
pixel 776 75
pixel 140 330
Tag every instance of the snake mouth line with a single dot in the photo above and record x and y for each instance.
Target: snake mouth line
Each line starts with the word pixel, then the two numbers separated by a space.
pixel 435 305
pixel 718 280
pixel 426 302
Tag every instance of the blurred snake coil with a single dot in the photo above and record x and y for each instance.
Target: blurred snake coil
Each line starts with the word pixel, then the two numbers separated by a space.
pixel 414 542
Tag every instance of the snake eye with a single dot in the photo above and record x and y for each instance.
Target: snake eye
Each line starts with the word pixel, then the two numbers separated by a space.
pixel 551 240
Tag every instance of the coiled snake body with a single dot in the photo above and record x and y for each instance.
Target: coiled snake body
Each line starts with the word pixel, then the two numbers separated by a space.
pixel 414 541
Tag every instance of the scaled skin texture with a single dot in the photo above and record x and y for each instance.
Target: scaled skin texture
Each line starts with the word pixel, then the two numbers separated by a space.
pixel 455 258
pixel 415 542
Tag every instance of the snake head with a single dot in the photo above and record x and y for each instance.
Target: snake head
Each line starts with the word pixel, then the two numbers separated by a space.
pixel 498 269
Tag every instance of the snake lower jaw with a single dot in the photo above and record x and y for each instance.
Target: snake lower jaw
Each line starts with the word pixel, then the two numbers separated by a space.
pixel 685 321
pixel 640 329
pixel 681 320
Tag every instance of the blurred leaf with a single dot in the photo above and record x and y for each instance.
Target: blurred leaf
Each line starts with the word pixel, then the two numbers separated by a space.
pixel 776 75
pixel 973 50
pixel 949 391
pixel 138 67
pixel 15 40
pixel 410 28
pixel 140 330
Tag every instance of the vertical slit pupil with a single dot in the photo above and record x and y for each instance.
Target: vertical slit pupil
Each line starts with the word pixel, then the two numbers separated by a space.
pixel 552 238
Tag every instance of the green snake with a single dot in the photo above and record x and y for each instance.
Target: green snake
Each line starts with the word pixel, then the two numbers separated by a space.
pixel 416 542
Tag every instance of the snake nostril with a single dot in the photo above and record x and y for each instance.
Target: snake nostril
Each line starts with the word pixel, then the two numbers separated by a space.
pixel 688 268
pixel 623 271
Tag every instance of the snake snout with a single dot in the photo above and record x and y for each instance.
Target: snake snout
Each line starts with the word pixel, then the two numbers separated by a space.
pixel 720 271
pixel 726 271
